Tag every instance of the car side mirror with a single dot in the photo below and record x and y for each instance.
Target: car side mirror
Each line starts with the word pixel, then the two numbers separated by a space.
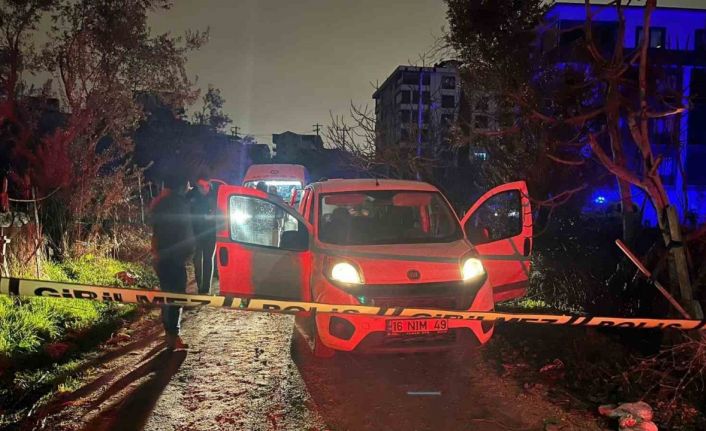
pixel 297 240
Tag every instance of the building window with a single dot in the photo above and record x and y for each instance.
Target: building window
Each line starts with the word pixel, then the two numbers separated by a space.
pixel 426 97
pixel 404 116
pixel 447 120
pixel 479 154
pixel 697 114
pixel 700 40
pixel 658 37
pixel 407 116
pixel 412 78
pixel 605 34
pixel 402 96
pixel 448 82
pixel 448 101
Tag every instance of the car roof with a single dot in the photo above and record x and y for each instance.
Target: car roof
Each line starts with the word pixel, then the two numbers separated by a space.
pixel 280 171
pixel 360 184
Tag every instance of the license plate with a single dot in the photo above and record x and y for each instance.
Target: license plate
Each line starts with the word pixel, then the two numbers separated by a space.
pixel 417 326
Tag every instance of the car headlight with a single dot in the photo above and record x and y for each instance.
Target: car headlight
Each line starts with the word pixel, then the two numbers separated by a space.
pixel 344 272
pixel 472 268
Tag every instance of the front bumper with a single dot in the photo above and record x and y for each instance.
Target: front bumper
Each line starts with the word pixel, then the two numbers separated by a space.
pixel 369 332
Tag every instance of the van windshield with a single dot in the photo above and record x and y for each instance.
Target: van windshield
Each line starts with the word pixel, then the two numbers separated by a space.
pixel 386 217
pixel 282 188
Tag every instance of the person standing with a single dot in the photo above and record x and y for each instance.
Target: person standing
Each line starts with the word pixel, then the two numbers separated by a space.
pixel 172 246
pixel 202 202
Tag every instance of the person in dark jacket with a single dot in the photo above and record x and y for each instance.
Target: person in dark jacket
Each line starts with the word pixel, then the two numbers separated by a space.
pixel 172 247
pixel 202 201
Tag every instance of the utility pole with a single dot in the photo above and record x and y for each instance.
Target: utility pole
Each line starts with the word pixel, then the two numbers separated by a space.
pixel 316 127
pixel 420 120
pixel 344 131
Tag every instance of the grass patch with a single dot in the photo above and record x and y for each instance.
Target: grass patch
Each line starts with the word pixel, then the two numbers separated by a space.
pixel 43 340
pixel 28 324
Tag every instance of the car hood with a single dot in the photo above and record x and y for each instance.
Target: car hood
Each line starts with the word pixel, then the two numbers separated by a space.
pixel 399 263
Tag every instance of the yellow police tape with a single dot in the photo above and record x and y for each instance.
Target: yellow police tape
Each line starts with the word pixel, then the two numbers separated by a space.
pixel 39 288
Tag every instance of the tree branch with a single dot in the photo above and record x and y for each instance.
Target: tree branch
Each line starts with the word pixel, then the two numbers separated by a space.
pixel 617 170
pixel 566 162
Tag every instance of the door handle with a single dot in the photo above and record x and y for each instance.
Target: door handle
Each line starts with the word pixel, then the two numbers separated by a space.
pixel 223 256
pixel 527 247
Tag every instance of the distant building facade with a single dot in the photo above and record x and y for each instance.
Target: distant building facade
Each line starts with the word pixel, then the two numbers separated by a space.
pixel 415 107
pixel 677 41
pixel 290 146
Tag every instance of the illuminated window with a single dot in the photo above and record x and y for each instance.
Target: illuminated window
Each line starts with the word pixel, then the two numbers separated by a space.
pixel 658 37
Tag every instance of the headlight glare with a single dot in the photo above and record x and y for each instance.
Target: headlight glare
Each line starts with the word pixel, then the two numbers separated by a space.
pixel 472 268
pixel 345 273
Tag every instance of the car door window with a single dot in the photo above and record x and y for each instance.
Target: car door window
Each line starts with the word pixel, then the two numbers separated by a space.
pixel 498 218
pixel 261 222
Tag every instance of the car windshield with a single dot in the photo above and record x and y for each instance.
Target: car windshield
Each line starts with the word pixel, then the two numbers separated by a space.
pixel 386 217
pixel 282 188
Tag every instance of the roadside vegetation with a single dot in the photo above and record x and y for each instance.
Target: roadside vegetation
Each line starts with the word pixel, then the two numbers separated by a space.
pixel 28 324
pixel 43 341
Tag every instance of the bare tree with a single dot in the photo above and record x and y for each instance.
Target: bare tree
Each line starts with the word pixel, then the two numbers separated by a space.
pixel 572 106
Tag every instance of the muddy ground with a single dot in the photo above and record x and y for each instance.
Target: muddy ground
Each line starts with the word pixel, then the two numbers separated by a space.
pixel 247 371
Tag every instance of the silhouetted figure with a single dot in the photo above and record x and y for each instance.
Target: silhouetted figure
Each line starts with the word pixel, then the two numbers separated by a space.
pixel 202 201
pixel 262 186
pixel 172 246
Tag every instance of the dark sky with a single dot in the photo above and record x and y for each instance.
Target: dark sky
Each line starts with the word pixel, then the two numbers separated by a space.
pixel 285 64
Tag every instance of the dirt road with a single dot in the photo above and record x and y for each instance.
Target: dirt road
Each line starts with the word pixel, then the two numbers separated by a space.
pixel 245 371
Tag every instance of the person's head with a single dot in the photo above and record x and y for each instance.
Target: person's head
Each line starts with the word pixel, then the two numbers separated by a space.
pixel 272 190
pixel 262 186
pixel 203 185
pixel 340 215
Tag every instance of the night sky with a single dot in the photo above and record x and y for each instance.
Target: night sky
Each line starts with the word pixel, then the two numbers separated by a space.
pixel 285 64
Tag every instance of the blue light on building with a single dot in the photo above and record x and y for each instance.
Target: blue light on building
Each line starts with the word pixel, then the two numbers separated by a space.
pixel 682 33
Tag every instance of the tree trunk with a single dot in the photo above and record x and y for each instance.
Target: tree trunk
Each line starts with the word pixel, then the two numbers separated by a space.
pixel 678 262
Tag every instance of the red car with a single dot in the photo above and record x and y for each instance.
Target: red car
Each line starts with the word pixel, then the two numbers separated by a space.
pixel 381 243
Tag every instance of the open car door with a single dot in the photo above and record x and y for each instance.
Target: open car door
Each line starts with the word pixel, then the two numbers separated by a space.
pixel 499 225
pixel 262 246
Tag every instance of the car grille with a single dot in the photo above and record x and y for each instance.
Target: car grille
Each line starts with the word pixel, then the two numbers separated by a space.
pixel 445 296
pixel 450 303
